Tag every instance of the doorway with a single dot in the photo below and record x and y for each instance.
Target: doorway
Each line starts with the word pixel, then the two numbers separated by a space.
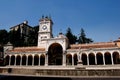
pixel 55 54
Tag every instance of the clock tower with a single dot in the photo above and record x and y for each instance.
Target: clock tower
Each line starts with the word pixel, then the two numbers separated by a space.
pixel 45 31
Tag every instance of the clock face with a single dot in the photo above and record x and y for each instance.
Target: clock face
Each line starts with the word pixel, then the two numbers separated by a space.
pixel 44 27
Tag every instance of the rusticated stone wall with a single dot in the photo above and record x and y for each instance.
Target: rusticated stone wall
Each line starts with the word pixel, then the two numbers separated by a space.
pixel 56 72
pixel 79 72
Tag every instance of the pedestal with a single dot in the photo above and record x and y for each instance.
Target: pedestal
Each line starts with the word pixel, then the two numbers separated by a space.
pixel 79 63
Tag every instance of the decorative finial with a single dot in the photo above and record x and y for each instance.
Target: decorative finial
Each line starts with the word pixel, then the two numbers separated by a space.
pixel 46 17
pixel 60 31
pixel 42 16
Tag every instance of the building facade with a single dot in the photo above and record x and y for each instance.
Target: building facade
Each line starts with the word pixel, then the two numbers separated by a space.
pixel 23 28
pixel 1 55
pixel 54 51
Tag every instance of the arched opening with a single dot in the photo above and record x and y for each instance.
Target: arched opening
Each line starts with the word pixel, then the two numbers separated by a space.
pixel 24 60
pixel 99 57
pixel 7 60
pixel 55 54
pixel 18 59
pixel 36 60
pixel 12 60
pixel 30 58
pixel 116 59
pixel 42 59
pixel 84 59
pixel 91 59
pixel 75 59
pixel 69 59
pixel 108 58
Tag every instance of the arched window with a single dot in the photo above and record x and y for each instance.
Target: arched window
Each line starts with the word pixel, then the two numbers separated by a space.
pixel 55 52
pixel 107 58
pixel 91 59
pixel 12 60
pixel 30 59
pixel 36 60
pixel 116 59
pixel 75 59
pixel 42 59
pixel 69 59
pixel 24 60
pixel 7 60
pixel 99 57
pixel 18 59
pixel 84 58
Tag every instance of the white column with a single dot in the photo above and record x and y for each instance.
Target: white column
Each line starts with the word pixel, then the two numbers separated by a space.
pixel 46 59
pixel 39 61
pixel 21 61
pixel 103 59
pixel 72 60
pixel 80 58
pixel 33 61
pixel 87 59
pixel 15 61
pixel 9 60
pixel 64 58
pixel 112 59
pixel 95 59
pixel 26 60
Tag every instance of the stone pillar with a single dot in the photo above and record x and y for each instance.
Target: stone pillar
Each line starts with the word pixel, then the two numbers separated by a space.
pixel 26 60
pixel 103 59
pixel 87 60
pixel 39 61
pixel 9 60
pixel 64 58
pixel 72 60
pixel 95 59
pixel 46 59
pixel 15 61
pixel 33 61
pixel 112 59
pixel 21 61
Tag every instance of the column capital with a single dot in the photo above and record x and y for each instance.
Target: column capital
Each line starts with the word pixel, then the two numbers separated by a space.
pixel 46 53
pixel 46 59
pixel 64 51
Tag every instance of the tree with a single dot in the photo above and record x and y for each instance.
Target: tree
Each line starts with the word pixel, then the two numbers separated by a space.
pixel 3 37
pixel 72 38
pixel 82 38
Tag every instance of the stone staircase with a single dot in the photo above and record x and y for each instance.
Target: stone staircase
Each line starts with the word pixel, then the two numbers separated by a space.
pixel 61 71
pixel 23 71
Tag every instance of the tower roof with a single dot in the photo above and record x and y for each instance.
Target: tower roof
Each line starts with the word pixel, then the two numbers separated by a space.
pixel 46 18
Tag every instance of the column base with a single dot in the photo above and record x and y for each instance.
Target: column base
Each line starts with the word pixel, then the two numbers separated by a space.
pixel 64 65
pixel 79 65
pixel 46 64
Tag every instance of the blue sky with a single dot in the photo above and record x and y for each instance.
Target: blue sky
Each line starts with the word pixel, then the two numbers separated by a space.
pixel 99 18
